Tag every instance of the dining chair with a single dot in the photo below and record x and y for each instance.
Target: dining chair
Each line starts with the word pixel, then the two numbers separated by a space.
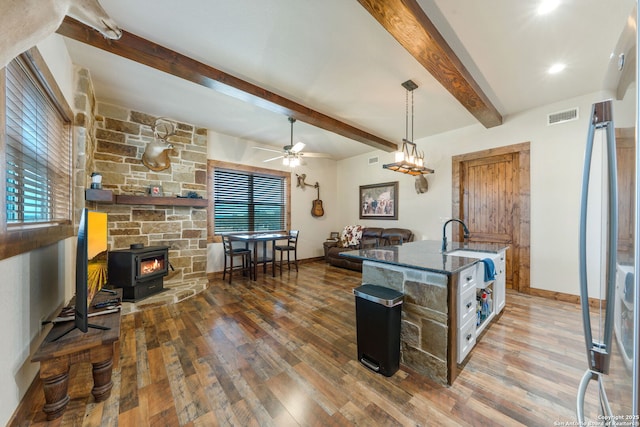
pixel 290 246
pixel 231 252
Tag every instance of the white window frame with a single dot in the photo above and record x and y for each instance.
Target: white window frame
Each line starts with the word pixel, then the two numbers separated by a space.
pixel 20 237
pixel 213 164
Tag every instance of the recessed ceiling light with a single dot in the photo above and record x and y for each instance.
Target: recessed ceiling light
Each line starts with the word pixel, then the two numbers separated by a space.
pixel 547 6
pixel 556 68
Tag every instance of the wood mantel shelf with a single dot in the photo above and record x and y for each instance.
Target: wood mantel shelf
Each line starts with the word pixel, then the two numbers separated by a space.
pixel 124 199
pixel 98 195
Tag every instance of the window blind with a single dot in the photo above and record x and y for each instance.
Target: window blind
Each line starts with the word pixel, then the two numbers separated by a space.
pixel 245 201
pixel 37 152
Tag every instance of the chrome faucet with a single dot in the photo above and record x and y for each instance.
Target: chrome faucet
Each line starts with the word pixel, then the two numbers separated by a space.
pixel 444 232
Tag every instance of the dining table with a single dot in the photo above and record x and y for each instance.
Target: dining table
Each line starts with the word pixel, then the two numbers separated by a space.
pixel 254 239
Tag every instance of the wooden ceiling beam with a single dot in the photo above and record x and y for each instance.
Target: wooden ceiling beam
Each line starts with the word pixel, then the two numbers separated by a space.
pixel 163 59
pixel 409 25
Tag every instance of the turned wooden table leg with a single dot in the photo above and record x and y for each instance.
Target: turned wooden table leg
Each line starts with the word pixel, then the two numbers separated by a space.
pixel 102 383
pixel 55 390
pixel 102 370
pixel 97 346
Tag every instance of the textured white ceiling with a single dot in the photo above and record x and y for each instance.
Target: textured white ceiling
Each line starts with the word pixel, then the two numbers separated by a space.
pixel 334 57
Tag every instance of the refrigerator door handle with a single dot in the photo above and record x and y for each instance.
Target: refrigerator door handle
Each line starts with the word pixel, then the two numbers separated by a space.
pixel 605 408
pixel 598 353
pixel 612 240
pixel 584 289
pixel 582 390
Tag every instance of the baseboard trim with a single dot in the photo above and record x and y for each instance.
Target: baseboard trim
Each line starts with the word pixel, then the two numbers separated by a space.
pixel 218 274
pixel 561 296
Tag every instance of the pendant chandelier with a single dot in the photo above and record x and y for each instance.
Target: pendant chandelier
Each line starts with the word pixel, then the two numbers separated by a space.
pixel 408 160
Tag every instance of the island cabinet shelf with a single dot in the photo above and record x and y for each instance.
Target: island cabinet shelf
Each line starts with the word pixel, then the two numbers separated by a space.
pixel 106 196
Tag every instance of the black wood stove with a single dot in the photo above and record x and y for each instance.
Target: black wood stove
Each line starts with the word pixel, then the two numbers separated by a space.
pixel 139 270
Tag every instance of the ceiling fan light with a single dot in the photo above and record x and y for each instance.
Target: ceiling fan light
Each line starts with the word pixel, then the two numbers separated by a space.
pixel 285 161
pixel 298 147
pixel 556 68
pixel 547 6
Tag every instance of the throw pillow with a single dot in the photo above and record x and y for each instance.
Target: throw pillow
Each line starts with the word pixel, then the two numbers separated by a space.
pixel 351 236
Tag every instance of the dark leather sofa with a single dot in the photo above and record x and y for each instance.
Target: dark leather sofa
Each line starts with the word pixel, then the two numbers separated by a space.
pixel 371 237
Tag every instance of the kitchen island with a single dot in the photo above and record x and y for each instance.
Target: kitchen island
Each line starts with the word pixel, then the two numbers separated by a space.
pixel 441 318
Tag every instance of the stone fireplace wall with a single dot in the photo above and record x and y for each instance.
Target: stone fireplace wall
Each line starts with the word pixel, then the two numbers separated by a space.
pixel 83 139
pixel 121 136
pixel 114 139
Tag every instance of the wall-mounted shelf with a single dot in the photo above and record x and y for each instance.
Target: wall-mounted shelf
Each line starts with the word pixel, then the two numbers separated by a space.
pixel 106 196
pixel 94 195
pixel 123 199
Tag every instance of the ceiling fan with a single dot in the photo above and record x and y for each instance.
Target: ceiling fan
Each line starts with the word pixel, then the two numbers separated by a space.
pixel 291 154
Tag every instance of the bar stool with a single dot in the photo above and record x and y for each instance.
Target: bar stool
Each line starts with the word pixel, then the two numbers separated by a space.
pixel 291 246
pixel 232 252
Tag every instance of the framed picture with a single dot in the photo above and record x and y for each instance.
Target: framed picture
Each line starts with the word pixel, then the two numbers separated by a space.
pixel 155 191
pixel 379 201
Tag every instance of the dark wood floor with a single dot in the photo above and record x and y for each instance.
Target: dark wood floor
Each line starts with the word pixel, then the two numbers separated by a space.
pixel 282 352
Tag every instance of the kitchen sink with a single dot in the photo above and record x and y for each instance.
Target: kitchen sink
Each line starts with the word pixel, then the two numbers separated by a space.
pixel 471 254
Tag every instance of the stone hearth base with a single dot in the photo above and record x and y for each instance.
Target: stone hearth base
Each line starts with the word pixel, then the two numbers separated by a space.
pixel 172 293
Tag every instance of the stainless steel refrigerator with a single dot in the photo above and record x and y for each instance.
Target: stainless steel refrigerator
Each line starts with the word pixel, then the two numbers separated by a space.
pixel 609 254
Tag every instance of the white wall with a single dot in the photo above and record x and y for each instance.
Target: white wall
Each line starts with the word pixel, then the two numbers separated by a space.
pixel 557 154
pixel 34 284
pixel 32 289
pixel 313 231
pixel 57 57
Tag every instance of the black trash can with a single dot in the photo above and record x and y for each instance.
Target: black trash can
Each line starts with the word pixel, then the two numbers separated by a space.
pixel 378 311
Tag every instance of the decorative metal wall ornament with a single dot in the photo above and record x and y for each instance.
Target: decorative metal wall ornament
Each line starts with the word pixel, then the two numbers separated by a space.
pixel 422 185
pixel 156 153
pixel 317 209
pixel 301 179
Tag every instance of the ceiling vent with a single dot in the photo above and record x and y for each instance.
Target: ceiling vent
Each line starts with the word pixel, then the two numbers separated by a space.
pixel 373 160
pixel 562 116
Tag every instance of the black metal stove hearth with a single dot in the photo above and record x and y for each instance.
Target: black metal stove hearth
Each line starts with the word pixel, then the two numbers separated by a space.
pixel 139 270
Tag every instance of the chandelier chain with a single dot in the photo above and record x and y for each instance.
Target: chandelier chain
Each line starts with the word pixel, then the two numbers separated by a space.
pixel 412 116
pixel 406 115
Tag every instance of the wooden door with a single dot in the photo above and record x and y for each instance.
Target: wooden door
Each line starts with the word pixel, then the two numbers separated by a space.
pixel 487 202
pixel 490 192
pixel 626 156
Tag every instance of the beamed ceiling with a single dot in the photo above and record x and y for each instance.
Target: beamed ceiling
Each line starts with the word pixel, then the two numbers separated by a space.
pixel 337 67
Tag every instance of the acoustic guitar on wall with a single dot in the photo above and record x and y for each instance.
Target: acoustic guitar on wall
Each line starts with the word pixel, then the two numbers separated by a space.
pixel 316 209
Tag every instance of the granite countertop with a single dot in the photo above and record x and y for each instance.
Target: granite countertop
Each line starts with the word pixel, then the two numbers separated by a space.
pixel 424 255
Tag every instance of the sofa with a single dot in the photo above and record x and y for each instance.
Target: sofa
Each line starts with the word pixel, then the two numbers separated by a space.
pixel 357 237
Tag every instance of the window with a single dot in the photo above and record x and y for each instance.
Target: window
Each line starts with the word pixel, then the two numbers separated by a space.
pixel 248 199
pixel 35 151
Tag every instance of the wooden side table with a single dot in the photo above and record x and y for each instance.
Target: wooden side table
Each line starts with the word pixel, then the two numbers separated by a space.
pixel 95 346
